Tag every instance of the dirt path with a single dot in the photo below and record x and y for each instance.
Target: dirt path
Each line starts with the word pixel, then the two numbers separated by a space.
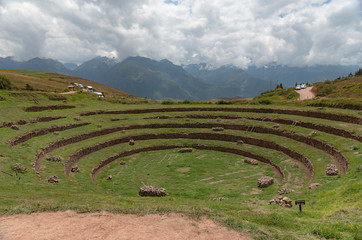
pixel 107 226
pixel 305 93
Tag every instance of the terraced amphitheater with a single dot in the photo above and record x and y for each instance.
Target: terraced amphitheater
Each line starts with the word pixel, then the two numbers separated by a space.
pixel 91 155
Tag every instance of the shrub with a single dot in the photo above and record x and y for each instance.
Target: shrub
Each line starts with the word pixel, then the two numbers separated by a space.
pixel 4 83
pixel 28 87
pixel 265 102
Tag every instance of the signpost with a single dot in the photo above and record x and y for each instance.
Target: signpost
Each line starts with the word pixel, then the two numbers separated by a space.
pixel 300 203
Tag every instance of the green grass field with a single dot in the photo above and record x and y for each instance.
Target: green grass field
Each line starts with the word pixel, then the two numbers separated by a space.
pixel 193 180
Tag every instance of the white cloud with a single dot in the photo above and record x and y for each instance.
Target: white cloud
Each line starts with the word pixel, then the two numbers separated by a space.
pixel 303 32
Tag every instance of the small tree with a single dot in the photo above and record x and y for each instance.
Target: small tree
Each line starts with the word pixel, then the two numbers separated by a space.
pixel 281 86
pixel 4 83
pixel 359 72
pixel 28 87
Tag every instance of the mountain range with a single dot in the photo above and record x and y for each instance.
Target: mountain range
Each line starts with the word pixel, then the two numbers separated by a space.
pixel 149 78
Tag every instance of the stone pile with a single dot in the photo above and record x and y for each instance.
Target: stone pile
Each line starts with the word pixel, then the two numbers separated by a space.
pixel 265 181
pixel 77 118
pixel 19 167
pixel 314 185
pixel 219 198
pixel 152 191
pixel 217 129
pixel 109 177
pixel 184 150
pixel 53 179
pixel 55 159
pixel 251 161
pixel 14 127
pixel 331 170
pixel 22 122
pixel 131 142
pixel 285 191
pixel 276 126
pixel 282 201
pixel 240 142
pixel 75 169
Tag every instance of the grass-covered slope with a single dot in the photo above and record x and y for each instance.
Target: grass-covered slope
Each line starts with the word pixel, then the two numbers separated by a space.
pixel 44 81
pixel 212 180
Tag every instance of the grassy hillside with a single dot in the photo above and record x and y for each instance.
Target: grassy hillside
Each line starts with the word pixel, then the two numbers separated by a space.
pixel 44 81
pixel 213 180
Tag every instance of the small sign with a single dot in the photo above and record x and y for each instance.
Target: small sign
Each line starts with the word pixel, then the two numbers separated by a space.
pixel 300 203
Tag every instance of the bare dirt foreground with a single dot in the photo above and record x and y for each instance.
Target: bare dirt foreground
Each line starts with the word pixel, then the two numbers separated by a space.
pixel 103 225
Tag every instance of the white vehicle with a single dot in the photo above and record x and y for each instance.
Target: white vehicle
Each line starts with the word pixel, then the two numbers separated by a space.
pixel 298 87
pixel 90 88
pixel 80 86
pixel 303 86
pixel 99 94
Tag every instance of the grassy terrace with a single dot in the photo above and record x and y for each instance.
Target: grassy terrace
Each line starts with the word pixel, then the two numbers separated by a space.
pixel 192 180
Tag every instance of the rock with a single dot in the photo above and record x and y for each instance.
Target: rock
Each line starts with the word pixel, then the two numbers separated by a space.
pixel 77 118
pixel 131 142
pixel 56 133
pixel 314 133
pixel 314 185
pixel 265 181
pixel 109 177
pixel 33 121
pixel 331 170
pixel 187 119
pixel 22 122
pixel 251 161
pixel 123 131
pixel 239 142
pixel 15 127
pixel 295 165
pixel 55 159
pixel 122 163
pixel 53 179
pixel 184 150
pixel 219 199
pixel 218 129
pixel 152 191
pixel 276 126
pixel 285 191
pixel 99 125
pixel 19 168
pixel 282 201
pixel 75 169
pixel 353 148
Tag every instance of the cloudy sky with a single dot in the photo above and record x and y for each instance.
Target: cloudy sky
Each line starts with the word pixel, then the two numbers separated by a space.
pixel 239 32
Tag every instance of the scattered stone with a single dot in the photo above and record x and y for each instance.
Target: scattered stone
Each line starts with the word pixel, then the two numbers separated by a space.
pixel 320 108
pixel 22 122
pixel 314 185
pixel 276 126
pixel 314 133
pixel 36 101
pixel 251 161
pixel 64 101
pixel 75 169
pixel 77 118
pixel 15 127
pixel 265 181
pixel 53 179
pixel 239 142
pixel 55 159
pixel 184 150
pixel 187 119
pixel 131 142
pixel 109 177
pixel 33 121
pixel 19 168
pixel 353 148
pixel 123 131
pixel 56 133
pixel 99 125
pixel 152 191
pixel 295 165
pixel 218 129
pixel 122 163
pixel 331 170
pixel 219 199
pixel 285 191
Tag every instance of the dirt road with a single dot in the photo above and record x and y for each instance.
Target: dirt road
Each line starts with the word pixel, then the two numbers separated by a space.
pixel 103 225
pixel 305 93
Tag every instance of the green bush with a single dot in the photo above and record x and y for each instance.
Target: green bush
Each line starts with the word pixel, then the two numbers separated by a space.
pixel 4 83
pixel 28 87
pixel 265 102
